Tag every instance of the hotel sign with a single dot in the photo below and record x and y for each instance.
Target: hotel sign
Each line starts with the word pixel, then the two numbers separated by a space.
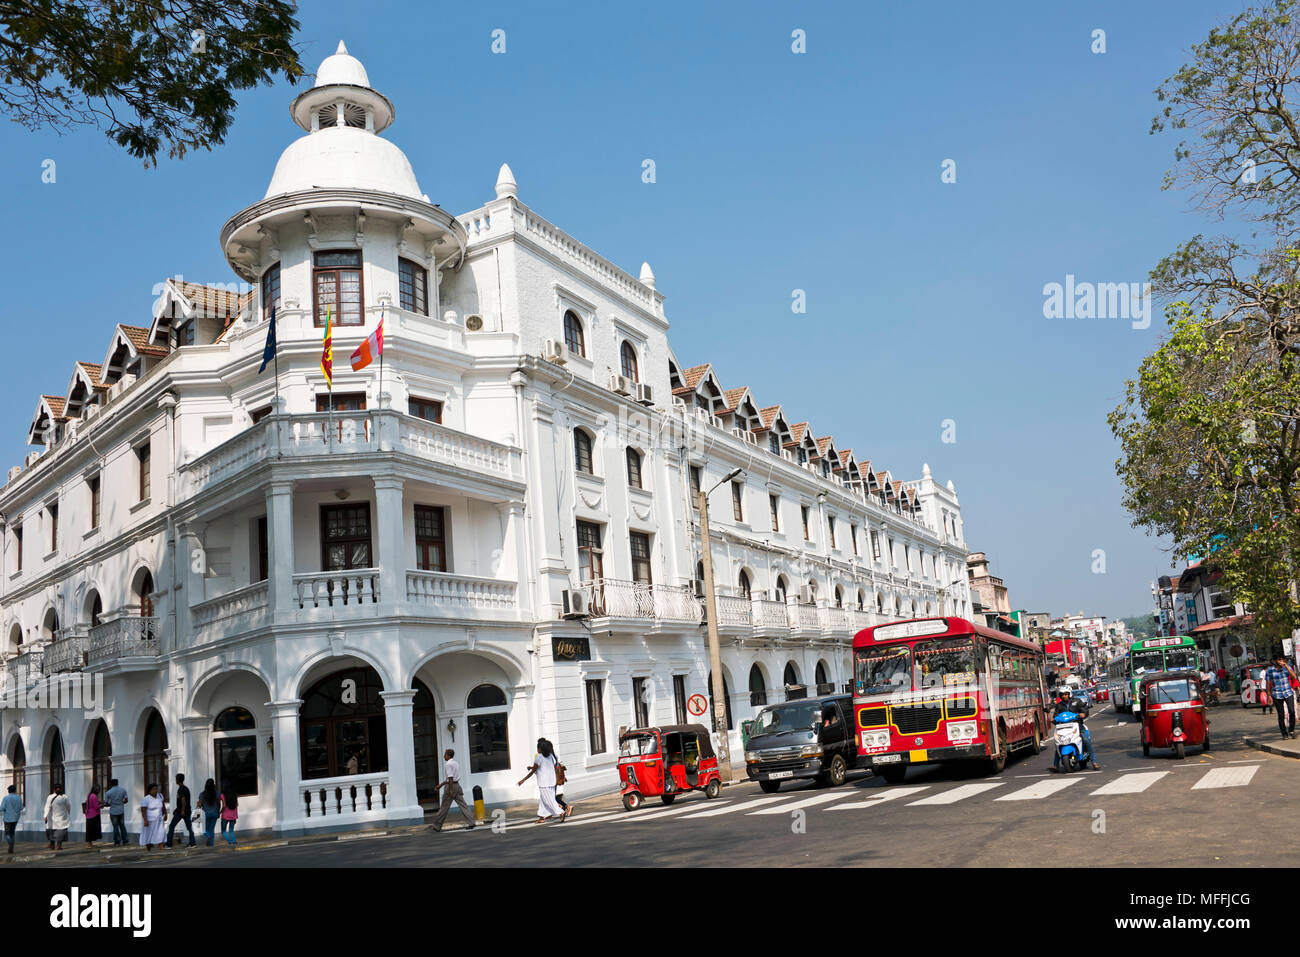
pixel 571 649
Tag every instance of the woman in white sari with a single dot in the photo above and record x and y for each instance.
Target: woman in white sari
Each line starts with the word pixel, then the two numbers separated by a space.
pixel 544 767
pixel 153 809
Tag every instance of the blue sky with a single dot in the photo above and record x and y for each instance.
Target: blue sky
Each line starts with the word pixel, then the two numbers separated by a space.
pixel 775 172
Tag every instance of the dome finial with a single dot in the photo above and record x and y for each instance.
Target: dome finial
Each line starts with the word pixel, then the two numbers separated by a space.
pixel 925 470
pixel 506 185
pixel 647 275
pixel 342 48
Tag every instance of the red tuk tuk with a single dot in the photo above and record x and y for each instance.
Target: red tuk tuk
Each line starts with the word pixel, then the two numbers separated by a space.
pixel 1173 713
pixel 664 761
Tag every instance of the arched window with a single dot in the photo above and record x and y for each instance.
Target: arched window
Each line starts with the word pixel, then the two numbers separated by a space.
pixel 96 610
pixel 101 758
pixel 144 594
pixel 839 597
pixel 582 451
pixel 822 678
pixel 757 687
pixel 628 356
pixel 18 763
pixel 58 778
pixel 155 753
pixel 235 744
pixel 15 638
pixel 489 738
pixel 50 627
pixel 862 600
pixel 573 340
pixel 634 469
pixel 344 733
pixel 791 676
pixel 781 588
pixel 745 587
pixel 880 604
pixel 812 591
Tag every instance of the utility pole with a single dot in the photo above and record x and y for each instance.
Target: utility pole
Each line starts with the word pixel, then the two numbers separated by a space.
pixel 719 689
pixel 944 591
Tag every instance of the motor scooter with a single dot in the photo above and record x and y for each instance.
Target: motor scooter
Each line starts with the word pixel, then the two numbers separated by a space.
pixel 1069 741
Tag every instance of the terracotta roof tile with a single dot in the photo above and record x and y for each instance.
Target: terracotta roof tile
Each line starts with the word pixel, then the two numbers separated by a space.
pixel 140 341
pixel 694 374
pixel 769 416
pixel 93 369
pixel 56 404
pixel 822 443
pixel 797 432
pixel 214 300
pixel 733 397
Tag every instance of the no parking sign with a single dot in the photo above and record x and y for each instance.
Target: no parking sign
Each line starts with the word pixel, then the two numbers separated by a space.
pixel 697 704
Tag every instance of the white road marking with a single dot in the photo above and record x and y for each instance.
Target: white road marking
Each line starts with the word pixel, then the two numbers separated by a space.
pixel 806 802
pixel 742 807
pixel 593 818
pixel 1045 774
pixel 1226 778
pixel 1254 761
pixel 880 797
pixel 1040 790
pixel 665 812
pixel 957 794
pixel 1130 783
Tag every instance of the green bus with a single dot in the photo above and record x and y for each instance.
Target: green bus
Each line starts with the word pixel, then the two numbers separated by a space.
pixel 1176 653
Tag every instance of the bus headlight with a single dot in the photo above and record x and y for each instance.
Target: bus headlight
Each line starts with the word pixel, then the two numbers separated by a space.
pixel 961 730
pixel 875 739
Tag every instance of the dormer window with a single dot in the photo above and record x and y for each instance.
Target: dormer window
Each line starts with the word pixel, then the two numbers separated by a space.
pixel 337 288
pixel 774 443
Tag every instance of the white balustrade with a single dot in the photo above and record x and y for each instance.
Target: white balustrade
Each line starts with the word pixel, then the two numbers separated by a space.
pixel 735 610
pixel 242 601
pixel 805 616
pixel 349 797
pixel 437 443
pixel 126 637
pixel 771 616
pixel 355 586
pixel 440 589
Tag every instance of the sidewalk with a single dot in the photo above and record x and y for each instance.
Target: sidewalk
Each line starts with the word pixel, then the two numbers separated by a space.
pixel 36 852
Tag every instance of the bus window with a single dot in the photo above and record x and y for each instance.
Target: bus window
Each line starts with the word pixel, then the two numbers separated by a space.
pixel 944 662
pixel 1176 658
pixel 1148 661
pixel 883 669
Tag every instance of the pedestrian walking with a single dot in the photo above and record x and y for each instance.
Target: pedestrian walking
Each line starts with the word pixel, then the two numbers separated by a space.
pixel 453 793
pixel 182 812
pixel 11 809
pixel 229 811
pixel 210 802
pixel 559 783
pixel 544 764
pixel 92 808
pixel 153 812
pixel 58 815
pixel 116 798
pixel 1278 677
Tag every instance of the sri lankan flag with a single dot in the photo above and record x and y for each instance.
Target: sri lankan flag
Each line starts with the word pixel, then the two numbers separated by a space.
pixel 327 354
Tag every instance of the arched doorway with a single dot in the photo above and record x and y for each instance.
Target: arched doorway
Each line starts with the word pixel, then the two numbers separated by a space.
pixel 18 766
pixel 144 593
pixel 424 718
pixel 54 758
pixel 343 725
pixel 746 588
pixel 234 744
pixel 101 757
pixel 155 753
pixel 757 687
pixel 822 678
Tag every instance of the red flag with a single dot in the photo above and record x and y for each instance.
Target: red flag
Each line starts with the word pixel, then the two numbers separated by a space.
pixel 370 349
pixel 327 354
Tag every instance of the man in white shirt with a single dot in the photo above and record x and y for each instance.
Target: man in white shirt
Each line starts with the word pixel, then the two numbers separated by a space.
pixel 453 792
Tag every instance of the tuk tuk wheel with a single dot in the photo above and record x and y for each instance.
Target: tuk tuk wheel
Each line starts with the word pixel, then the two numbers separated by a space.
pixel 633 800
pixel 713 789
pixel 1180 750
pixel 668 798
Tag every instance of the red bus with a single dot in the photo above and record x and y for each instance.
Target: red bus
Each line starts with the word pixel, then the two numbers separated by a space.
pixel 931 690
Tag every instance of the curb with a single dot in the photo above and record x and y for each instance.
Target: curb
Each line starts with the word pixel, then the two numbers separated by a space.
pixel 1272 749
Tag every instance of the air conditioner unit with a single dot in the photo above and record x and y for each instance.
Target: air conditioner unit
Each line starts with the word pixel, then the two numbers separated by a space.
pixel 620 384
pixel 553 351
pixel 697 585
pixel 644 394
pixel 805 595
pixel 576 603
pixel 30 459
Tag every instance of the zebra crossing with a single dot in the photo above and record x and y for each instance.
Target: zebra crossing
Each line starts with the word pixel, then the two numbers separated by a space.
pixel 1021 788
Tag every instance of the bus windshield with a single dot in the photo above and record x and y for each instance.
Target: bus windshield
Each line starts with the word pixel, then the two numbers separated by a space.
pixel 1176 658
pixel 1144 661
pixel 883 669
pixel 944 662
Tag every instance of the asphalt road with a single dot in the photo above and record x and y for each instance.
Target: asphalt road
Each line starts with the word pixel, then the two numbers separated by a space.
pixel 1222 809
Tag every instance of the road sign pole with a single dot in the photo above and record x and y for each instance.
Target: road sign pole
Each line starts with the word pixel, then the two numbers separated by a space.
pixel 715 654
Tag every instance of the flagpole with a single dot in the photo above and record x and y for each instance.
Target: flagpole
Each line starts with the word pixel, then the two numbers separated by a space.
pixel 383 308
pixel 275 358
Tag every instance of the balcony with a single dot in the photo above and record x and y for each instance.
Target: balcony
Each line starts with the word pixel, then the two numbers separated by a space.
pixel 613 598
pixel 352 587
pixel 243 609
pixel 347 433
pixel 66 655
pixel 116 643
pixel 25 668
pixel 440 593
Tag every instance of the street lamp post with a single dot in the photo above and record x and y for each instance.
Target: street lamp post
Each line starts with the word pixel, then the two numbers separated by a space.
pixel 719 689
pixel 944 591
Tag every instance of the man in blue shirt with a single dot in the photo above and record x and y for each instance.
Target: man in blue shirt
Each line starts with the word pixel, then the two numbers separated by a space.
pixel 1278 676
pixel 11 809
pixel 116 800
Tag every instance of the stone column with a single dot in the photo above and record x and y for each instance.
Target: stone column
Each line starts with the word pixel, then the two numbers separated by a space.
pixel 390 543
pixel 198 764
pixel 289 805
pixel 516 535
pixel 403 803
pixel 76 775
pixel 279 547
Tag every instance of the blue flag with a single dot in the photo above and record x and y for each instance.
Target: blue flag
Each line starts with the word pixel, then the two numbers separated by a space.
pixel 268 353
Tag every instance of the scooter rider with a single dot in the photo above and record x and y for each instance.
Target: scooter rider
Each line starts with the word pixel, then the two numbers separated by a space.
pixel 1074 706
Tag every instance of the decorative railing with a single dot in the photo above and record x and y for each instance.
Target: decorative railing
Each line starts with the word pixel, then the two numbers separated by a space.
pixel 771 615
pixel 432 441
pixel 563 243
pixel 241 601
pixel 835 619
pixel 625 599
pixel 356 586
pixel 126 637
pixel 26 667
pixel 229 458
pixel 66 654
pixel 735 610
pixel 334 433
pixel 441 589
pixel 804 616
pixel 355 795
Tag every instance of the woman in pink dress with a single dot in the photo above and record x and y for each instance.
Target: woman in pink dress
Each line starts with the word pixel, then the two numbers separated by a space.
pixel 93 829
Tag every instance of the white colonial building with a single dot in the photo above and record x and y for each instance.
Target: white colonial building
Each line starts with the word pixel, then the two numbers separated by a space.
pixel 310 594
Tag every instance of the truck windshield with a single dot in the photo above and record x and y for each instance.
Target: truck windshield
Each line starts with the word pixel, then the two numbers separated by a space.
pixel 883 669
pixel 787 717
pixel 944 662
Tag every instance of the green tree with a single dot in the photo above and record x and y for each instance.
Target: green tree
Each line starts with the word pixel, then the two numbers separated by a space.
pixel 155 75
pixel 1210 428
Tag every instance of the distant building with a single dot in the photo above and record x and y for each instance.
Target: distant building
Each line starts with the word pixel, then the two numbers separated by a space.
pixel 988 594
pixel 1223 628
